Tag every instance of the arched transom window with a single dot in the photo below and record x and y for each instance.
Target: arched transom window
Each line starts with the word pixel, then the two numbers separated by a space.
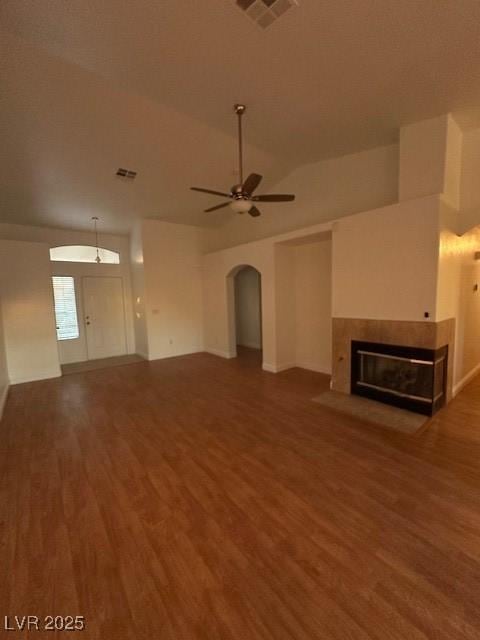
pixel 83 253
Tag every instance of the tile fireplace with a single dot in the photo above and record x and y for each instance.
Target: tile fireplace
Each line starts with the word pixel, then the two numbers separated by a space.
pixel 413 340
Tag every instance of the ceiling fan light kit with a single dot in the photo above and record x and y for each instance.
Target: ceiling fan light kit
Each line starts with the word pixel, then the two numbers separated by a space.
pixel 241 195
pixel 241 206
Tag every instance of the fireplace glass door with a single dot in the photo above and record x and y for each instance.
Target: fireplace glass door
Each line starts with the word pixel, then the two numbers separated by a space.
pixel 407 377
pixel 396 375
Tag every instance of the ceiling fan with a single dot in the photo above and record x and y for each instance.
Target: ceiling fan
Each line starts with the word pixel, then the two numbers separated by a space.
pixel 241 198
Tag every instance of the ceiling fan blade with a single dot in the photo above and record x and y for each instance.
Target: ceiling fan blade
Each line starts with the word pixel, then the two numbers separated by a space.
pixel 254 212
pixel 274 197
pixel 218 206
pixel 252 182
pixel 212 193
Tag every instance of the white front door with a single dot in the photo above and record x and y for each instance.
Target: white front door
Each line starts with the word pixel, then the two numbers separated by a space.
pixel 104 311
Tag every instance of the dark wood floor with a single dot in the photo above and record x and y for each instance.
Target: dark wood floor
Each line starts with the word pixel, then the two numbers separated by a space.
pixel 202 498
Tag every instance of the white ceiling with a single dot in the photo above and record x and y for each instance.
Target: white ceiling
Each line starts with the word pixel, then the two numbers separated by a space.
pixel 90 86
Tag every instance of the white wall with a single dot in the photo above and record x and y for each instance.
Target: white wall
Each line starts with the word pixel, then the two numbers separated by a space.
pixel 248 314
pixel 422 158
pixel 138 290
pixel 430 159
pixel 458 273
pixel 4 379
pixel 284 292
pixel 467 360
pixel 470 184
pixel 459 213
pixel 218 270
pixel 453 163
pixel 173 288
pixel 275 259
pixel 76 350
pixel 385 262
pixel 324 191
pixel 28 315
pixel 303 303
pixel 313 305
pixel 449 264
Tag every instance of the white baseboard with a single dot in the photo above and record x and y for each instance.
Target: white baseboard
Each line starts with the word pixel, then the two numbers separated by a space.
pixel 221 354
pixel 43 375
pixel 269 367
pixel 315 367
pixel 183 352
pixel 142 355
pixel 3 399
pixel 277 368
pixel 251 345
pixel 465 380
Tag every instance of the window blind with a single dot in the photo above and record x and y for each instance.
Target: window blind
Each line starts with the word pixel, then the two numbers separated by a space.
pixel 65 307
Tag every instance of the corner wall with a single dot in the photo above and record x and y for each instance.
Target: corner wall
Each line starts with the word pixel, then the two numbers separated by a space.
pixel 313 306
pixel 467 362
pixel 138 291
pixel 285 306
pixel 173 288
pixel 27 305
pixel 4 379
pixel 385 262
pixel 458 293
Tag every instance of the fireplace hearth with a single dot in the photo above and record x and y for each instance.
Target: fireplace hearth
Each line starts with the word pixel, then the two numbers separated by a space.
pixel 407 377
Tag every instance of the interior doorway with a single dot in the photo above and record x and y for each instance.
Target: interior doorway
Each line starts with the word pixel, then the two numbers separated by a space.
pixel 248 310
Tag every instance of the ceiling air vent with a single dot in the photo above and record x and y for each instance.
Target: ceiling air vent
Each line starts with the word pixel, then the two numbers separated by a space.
pixel 126 173
pixel 265 12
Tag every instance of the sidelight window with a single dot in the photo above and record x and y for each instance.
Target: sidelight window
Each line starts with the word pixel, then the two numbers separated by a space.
pixel 65 308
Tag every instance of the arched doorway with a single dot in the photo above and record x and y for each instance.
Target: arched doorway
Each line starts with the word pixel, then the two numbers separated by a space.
pixel 245 312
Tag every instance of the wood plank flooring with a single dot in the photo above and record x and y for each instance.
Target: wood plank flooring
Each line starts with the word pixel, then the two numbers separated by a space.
pixel 200 498
pixel 101 363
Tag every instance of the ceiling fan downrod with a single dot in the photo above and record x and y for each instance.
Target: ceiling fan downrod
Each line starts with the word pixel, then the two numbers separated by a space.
pixel 240 110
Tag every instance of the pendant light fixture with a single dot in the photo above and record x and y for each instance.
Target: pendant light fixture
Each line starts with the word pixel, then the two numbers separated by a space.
pixel 95 220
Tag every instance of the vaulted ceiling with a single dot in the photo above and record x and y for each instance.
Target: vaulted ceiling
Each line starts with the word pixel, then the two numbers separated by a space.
pixel 91 86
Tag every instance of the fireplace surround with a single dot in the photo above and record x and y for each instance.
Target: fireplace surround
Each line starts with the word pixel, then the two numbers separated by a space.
pixel 414 334
pixel 408 377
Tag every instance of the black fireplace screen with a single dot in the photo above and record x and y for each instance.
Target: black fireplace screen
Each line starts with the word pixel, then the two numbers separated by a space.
pixel 407 377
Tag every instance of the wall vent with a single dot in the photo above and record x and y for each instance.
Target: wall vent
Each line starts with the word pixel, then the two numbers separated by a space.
pixel 126 173
pixel 265 12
